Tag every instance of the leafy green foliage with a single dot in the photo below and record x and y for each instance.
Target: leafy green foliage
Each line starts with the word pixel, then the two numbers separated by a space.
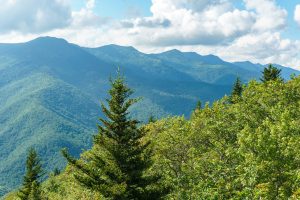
pixel 246 150
pixel 49 92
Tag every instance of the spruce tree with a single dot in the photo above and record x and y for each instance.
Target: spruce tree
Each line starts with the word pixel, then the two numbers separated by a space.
pixel 35 193
pixel 271 73
pixel 56 172
pixel 30 187
pixel 198 105
pixel 151 119
pixel 117 163
pixel 237 90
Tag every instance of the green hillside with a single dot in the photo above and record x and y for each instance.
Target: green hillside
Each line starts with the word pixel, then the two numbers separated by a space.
pixel 248 149
pixel 48 116
pixel 50 92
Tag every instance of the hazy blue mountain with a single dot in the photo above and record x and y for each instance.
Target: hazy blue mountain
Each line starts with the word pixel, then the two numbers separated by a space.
pixel 210 68
pixel 50 92
pixel 286 72
pixel 46 113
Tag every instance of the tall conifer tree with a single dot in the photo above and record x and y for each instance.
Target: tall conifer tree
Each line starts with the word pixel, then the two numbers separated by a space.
pixel 198 105
pixel 30 187
pixel 271 73
pixel 237 90
pixel 117 163
pixel 151 119
pixel 35 193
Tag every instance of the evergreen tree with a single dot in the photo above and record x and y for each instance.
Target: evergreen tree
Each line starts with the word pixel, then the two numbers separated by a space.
pixel 236 90
pixel 271 73
pixel 117 163
pixel 35 193
pixel 56 172
pixel 151 119
pixel 198 105
pixel 30 187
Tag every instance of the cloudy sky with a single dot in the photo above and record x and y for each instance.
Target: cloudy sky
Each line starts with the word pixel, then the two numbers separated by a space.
pixel 265 31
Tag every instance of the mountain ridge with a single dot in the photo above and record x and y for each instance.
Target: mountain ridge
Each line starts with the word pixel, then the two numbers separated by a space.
pixel 50 93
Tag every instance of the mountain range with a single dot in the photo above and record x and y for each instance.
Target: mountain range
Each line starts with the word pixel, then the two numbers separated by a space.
pixel 50 93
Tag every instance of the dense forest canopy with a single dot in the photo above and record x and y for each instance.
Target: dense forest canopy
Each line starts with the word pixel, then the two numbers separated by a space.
pixel 246 146
pixel 50 91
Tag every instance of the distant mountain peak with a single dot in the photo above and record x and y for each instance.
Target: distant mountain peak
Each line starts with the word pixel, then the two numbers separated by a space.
pixel 115 46
pixel 214 57
pixel 48 40
pixel 244 62
pixel 174 51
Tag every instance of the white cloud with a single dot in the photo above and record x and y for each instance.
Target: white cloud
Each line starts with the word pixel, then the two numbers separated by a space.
pixel 205 26
pixel 265 48
pixel 90 4
pixel 195 22
pixel 33 16
pixel 149 22
pixel 297 14
pixel 206 22
pixel 269 16
pixel 86 17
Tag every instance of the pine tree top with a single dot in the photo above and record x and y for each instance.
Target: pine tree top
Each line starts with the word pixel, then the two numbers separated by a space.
pixel 34 172
pixel 271 73
pixel 117 163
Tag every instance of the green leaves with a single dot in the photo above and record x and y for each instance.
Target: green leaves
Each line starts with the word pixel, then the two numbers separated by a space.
pixel 249 149
pixel 246 150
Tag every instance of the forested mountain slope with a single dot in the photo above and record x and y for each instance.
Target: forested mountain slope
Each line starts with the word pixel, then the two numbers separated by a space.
pixel 50 92
pixel 246 149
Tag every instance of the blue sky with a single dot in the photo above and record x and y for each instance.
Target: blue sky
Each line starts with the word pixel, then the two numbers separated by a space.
pixel 120 9
pixel 264 31
pixel 293 30
pixel 117 9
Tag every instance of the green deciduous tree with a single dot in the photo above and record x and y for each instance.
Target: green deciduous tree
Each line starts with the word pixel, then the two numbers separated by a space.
pixel 30 188
pixel 246 150
pixel 117 164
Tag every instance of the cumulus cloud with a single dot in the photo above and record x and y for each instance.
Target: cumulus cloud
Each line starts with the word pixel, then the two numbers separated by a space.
pixel 269 16
pixel 205 22
pixel 32 16
pixel 86 17
pixel 297 14
pixel 146 22
pixel 268 47
pixel 194 22
pixel 251 32
pixel 217 27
